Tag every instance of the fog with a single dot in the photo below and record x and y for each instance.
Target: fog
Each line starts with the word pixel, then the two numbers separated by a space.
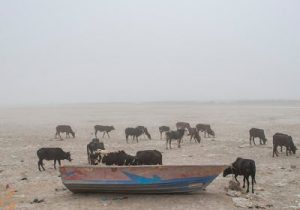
pixel 136 51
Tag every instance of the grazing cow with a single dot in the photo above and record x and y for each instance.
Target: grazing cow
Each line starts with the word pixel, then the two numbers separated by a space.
pixel 56 154
pixel 145 131
pixel 193 132
pixel 119 158
pixel 206 129
pixel 280 139
pixel 92 147
pixel 174 135
pixel 244 167
pixel 163 129
pixel 257 133
pixel 149 157
pixel 64 129
pixel 136 133
pixel 104 129
pixel 182 125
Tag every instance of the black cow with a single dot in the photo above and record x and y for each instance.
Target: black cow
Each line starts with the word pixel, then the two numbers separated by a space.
pixel 136 133
pixel 163 129
pixel 182 125
pixel 119 158
pixel 149 157
pixel 56 154
pixel 145 131
pixel 104 129
pixel 257 133
pixel 281 140
pixel 92 147
pixel 206 129
pixel 174 135
pixel 194 134
pixel 64 129
pixel 244 167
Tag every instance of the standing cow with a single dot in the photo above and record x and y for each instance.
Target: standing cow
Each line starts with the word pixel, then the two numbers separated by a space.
pixel 103 128
pixel 64 129
pixel 244 167
pixel 92 147
pixel 149 157
pixel 163 129
pixel 194 134
pixel 206 129
pixel 174 135
pixel 257 133
pixel 280 139
pixel 56 154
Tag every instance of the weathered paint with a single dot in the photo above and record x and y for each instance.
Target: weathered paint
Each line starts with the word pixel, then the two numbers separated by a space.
pixel 138 179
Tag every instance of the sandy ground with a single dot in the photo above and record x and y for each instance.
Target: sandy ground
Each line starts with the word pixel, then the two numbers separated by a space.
pixel 24 130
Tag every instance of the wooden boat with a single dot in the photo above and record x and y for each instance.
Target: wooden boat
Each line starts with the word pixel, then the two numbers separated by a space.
pixel 139 179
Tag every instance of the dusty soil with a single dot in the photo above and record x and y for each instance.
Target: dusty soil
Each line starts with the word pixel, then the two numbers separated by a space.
pixel 23 130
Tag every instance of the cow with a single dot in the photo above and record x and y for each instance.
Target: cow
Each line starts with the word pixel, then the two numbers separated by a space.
pixel 56 154
pixel 280 139
pixel 145 131
pixel 174 135
pixel 244 167
pixel 163 129
pixel 257 133
pixel 182 125
pixel 92 147
pixel 149 157
pixel 103 128
pixel 206 129
pixel 136 133
pixel 119 158
pixel 64 129
pixel 194 134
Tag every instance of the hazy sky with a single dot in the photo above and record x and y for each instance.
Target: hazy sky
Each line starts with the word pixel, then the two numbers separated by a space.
pixel 102 51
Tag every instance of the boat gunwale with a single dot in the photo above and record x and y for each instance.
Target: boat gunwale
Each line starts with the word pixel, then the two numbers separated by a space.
pixel 139 166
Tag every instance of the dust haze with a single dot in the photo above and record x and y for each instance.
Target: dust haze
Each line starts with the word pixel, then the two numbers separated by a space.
pixel 133 51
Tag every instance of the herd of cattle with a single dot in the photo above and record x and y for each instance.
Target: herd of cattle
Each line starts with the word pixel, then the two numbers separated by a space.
pixel 96 153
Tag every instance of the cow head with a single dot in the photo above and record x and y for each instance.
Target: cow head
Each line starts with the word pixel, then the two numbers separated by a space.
pixel 293 148
pixel 112 128
pixel 68 156
pixel 228 170
pixel 73 134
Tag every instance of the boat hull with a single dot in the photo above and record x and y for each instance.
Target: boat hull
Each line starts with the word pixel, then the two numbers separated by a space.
pixel 138 179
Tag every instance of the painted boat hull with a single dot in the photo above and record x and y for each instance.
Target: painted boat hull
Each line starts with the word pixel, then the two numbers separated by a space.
pixel 139 179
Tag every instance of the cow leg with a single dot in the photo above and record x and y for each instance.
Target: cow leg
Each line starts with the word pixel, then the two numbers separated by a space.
pixel 59 136
pixel 103 134
pixel 127 139
pixel 107 134
pixel 96 131
pixel 254 140
pixel 252 180
pixel 54 163
pixel 280 148
pixel 235 176
pixel 167 143
pixel 286 151
pixel 59 163
pixel 244 182
pixel 39 165
pixel 42 164
pixel 247 178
